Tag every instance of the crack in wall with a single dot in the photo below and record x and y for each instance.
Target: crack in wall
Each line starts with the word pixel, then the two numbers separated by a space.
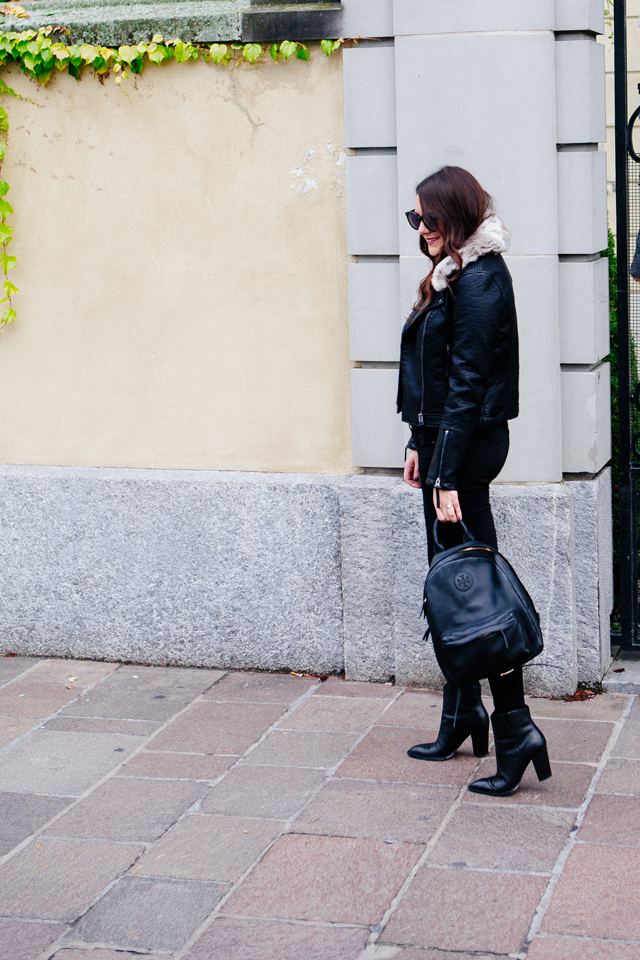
pixel 235 99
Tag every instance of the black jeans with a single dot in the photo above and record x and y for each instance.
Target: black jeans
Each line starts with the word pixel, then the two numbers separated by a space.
pixel 485 459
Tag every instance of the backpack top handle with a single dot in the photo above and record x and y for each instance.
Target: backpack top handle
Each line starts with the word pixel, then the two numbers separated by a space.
pixel 467 536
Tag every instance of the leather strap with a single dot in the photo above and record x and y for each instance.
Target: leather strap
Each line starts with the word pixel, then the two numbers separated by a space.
pixel 467 536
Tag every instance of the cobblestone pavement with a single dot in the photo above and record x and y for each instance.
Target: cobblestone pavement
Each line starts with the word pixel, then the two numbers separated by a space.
pixel 200 814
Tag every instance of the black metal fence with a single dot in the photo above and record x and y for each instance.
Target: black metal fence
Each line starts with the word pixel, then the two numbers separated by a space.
pixel 628 300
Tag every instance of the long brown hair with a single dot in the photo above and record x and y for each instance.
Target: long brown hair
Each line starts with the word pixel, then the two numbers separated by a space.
pixel 457 201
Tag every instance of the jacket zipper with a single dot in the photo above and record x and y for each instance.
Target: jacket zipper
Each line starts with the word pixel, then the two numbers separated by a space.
pixel 421 414
pixel 444 447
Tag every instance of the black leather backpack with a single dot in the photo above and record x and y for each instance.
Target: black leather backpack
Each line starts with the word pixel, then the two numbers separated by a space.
pixel 481 619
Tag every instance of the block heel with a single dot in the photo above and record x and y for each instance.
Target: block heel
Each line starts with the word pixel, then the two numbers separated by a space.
pixel 541 763
pixel 480 741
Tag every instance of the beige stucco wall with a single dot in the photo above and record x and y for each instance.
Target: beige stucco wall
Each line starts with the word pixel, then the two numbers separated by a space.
pixel 182 271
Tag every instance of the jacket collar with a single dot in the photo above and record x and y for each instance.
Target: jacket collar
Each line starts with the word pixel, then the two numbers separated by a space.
pixel 491 237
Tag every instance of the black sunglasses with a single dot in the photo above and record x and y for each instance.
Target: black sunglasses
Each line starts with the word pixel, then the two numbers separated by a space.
pixel 428 219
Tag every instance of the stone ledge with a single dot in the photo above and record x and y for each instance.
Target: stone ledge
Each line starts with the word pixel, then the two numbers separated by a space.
pixel 272 571
pixel 626 681
pixel 286 22
pixel 204 21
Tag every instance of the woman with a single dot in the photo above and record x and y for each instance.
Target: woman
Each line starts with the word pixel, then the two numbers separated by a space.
pixel 458 388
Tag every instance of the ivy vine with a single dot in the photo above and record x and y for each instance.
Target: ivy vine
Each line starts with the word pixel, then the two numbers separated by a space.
pixel 41 54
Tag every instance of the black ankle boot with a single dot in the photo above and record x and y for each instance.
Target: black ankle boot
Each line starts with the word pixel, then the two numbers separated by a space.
pixel 463 715
pixel 518 741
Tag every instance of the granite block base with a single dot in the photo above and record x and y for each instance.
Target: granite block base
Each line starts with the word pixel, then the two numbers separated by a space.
pixel 280 571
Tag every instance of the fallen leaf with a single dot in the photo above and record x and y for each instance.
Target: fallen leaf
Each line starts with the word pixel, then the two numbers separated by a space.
pixel 577 697
pixel 71 679
pixel 619 670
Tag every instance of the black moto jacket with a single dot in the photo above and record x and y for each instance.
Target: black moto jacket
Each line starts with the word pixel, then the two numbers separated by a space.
pixel 459 363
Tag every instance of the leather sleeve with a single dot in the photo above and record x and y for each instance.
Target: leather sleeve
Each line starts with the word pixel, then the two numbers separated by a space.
pixel 477 310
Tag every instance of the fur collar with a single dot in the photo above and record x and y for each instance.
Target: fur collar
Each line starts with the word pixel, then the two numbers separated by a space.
pixel 491 237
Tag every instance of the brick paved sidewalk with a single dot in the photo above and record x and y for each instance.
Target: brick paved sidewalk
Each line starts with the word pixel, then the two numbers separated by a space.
pixel 208 816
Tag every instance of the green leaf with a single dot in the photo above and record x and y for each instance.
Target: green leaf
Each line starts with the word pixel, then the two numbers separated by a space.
pixel 9 288
pixel 288 48
pixel 327 46
pixel 185 51
pixel 9 316
pixel 5 232
pixel 219 52
pixel 252 51
pixel 100 66
pixel 4 186
pixel 88 53
pixel 128 54
pixel 3 150
pixel 303 53
pixel 273 50
pixel 7 262
pixel 5 208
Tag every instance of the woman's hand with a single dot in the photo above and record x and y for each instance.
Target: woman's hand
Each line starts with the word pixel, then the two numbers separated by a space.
pixel 449 509
pixel 411 474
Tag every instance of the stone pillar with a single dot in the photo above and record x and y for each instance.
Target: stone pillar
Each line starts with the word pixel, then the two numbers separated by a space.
pixel 514 92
